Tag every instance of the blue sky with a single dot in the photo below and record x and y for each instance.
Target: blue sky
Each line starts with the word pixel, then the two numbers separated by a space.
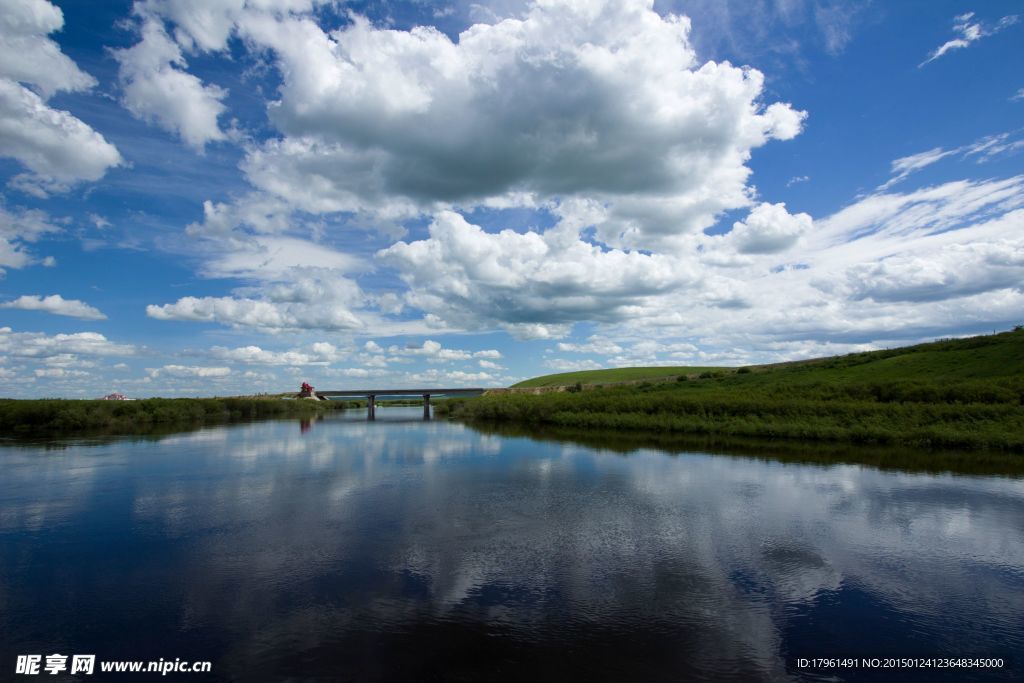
pixel 233 196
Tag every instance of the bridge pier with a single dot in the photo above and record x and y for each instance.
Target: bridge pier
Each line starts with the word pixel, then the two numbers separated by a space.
pixel 426 407
pixel 371 407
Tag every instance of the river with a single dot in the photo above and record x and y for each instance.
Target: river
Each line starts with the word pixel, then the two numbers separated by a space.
pixel 411 550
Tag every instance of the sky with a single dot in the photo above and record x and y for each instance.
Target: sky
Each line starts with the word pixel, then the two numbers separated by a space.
pixel 213 197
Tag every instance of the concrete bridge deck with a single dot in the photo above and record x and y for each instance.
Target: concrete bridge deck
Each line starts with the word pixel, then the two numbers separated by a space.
pixel 372 394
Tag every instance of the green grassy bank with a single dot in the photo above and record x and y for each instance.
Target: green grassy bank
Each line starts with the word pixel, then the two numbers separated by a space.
pixel 964 393
pixel 57 416
pixel 612 375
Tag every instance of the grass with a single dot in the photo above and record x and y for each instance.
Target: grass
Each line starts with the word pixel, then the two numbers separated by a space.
pixel 961 394
pixel 611 375
pixel 58 416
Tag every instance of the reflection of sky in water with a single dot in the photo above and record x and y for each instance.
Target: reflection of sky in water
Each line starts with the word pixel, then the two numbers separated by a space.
pixel 404 548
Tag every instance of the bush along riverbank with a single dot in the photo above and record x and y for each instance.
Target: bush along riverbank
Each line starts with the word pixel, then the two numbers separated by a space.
pixel 63 417
pixel 965 394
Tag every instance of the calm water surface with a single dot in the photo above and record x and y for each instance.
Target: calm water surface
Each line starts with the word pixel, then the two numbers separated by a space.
pixel 404 550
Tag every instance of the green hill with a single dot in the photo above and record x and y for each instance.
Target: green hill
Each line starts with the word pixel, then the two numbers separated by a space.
pixel 962 393
pixel 611 376
pixel 995 355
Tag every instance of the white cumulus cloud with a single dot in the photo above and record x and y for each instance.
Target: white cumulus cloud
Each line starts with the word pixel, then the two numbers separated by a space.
pixel 768 229
pixel 17 229
pixel 531 284
pixel 600 99
pixel 57 149
pixel 320 353
pixel 39 345
pixel 57 305
pixel 158 89
pixel 190 371
pixel 257 313
pixel 28 55
pixel 55 373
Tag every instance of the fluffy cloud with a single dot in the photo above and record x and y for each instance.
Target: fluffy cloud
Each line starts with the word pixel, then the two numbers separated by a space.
pixel 284 297
pixel 257 313
pixel 18 228
pixel 944 270
pixel 299 285
pixel 156 84
pixel 189 371
pixel 260 213
pixel 565 365
pixel 623 352
pixel 430 350
pixel 207 24
pixel 455 377
pixel 29 56
pixel 58 149
pixel 156 88
pixel 887 269
pixel 302 268
pixel 41 346
pixel 768 229
pixel 597 113
pixel 919 262
pixel 293 282
pixel 531 284
pixel 57 305
pixel 54 373
pixel 320 353
pixel 347 372
pixel 602 99
pixel 593 345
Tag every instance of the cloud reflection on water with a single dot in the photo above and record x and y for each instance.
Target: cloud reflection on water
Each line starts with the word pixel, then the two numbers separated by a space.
pixel 287 542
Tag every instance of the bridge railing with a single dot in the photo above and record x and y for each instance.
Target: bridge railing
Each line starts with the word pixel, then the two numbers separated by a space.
pixel 372 394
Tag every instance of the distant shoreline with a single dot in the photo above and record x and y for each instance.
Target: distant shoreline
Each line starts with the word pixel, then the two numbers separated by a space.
pixel 70 417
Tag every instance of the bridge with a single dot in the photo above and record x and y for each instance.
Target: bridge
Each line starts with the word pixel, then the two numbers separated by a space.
pixel 372 394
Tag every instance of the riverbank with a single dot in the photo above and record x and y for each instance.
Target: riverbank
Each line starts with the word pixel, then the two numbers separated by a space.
pixel 900 458
pixel 963 394
pixel 60 416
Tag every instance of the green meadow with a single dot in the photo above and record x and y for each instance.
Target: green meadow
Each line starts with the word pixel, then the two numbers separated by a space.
pixel 611 375
pixel 957 393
